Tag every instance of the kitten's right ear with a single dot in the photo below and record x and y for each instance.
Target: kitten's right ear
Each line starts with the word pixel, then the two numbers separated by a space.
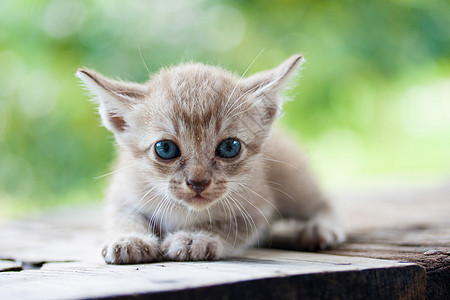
pixel 115 98
pixel 265 86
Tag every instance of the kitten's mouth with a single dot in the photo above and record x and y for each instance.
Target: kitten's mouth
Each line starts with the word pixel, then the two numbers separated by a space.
pixel 199 201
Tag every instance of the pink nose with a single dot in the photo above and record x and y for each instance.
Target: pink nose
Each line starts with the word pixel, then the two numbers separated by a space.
pixel 198 186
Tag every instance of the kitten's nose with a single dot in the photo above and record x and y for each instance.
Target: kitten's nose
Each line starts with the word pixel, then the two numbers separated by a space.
pixel 198 186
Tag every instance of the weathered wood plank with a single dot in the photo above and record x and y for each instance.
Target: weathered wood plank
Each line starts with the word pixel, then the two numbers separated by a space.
pixel 68 235
pixel 407 206
pixel 404 244
pixel 6 265
pixel 258 273
pixel 411 225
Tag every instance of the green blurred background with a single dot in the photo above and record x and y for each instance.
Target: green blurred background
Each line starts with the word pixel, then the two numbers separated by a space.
pixel 372 105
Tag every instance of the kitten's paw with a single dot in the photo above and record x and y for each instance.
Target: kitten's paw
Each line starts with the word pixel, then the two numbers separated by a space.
pixel 184 246
pixel 132 250
pixel 320 234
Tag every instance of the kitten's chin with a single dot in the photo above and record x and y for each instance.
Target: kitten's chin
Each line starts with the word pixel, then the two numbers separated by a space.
pixel 198 202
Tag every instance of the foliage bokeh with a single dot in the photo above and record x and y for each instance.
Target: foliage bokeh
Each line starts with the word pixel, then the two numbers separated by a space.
pixel 373 99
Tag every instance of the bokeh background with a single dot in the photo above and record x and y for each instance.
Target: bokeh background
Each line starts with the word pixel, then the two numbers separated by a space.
pixel 372 105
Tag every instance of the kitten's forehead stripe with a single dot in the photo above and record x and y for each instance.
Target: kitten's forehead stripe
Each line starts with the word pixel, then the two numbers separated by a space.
pixel 197 106
pixel 200 105
pixel 195 95
pixel 218 125
pixel 176 126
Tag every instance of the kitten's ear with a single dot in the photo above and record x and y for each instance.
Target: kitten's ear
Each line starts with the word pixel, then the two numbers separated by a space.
pixel 264 86
pixel 115 98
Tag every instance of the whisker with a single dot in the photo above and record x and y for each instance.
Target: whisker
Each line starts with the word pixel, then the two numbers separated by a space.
pixel 161 216
pixel 249 189
pixel 145 203
pixel 166 210
pixel 142 58
pixel 228 218
pixel 274 182
pixel 235 221
pixel 125 91
pixel 242 212
pixel 262 94
pixel 133 212
pixel 232 108
pixel 281 191
pixel 154 218
pixel 115 171
pixel 283 162
pixel 262 214
pixel 240 79
pixel 247 218
pixel 210 219
pixel 187 217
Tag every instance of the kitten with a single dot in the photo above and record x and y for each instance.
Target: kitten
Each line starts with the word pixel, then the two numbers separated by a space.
pixel 200 175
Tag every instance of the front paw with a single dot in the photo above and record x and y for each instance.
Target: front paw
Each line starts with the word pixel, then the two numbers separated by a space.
pixel 185 246
pixel 132 250
pixel 319 234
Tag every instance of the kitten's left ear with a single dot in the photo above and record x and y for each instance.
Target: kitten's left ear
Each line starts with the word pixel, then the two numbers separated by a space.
pixel 115 98
pixel 264 86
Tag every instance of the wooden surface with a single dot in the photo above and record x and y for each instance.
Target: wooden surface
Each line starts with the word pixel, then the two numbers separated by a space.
pixel 410 224
pixel 258 273
pixel 57 256
pixel 405 224
pixel 6 265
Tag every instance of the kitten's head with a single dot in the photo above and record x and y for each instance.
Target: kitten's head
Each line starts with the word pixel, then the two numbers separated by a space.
pixel 195 132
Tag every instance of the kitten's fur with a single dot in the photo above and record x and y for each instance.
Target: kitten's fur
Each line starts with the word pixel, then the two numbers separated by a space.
pixel 154 214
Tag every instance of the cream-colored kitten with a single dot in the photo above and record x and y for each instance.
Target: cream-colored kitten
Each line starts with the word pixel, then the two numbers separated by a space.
pixel 200 176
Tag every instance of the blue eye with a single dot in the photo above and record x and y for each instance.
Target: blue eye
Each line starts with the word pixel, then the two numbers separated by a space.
pixel 228 148
pixel 167 149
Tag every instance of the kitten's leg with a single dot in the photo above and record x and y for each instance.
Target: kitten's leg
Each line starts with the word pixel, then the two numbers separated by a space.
pixel 131 241
pixel 299 198
pixel 192 245
pixel 322 231
pixel 210 243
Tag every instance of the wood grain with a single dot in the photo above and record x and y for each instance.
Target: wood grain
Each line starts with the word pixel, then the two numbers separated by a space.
pixel 258 273
pixel 6 265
